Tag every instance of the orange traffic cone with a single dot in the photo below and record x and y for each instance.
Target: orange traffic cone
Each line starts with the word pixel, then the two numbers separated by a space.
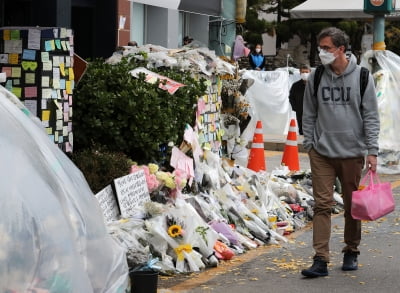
pixel 290 153
pixel 257 157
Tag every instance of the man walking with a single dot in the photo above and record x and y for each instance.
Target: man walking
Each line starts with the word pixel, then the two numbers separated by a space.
pixel 296 95
pixel 340 128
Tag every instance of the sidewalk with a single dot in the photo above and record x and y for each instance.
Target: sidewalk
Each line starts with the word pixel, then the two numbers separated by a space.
pixel 276 268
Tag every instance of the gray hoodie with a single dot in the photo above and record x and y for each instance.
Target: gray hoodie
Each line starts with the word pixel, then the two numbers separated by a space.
pixel 339 123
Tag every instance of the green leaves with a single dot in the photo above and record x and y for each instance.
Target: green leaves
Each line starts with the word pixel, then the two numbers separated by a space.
pixel 128 115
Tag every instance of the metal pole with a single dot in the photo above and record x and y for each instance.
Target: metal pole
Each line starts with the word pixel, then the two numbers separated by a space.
pixel 379 32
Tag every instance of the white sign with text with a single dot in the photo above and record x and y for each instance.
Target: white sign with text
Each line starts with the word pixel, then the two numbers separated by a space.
pixel 108 204
pixel 132 192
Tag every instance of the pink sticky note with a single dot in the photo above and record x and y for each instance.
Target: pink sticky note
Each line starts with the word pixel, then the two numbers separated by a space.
pixel 7 70
pixel 31 92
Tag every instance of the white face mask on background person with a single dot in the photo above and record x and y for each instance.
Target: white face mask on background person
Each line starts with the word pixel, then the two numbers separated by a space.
pixel 258 50
pixel 304 76
pixel 326 57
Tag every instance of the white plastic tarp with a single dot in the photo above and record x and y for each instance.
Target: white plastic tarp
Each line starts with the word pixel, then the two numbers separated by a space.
pixel 387 83
pixel 52 233
pixel 334 9
pixel 269 100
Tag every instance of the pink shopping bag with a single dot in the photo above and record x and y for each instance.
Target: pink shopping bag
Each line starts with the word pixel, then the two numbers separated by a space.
pixel 374 201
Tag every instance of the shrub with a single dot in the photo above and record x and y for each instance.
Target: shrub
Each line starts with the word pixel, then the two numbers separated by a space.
pixel 101 166
pixel 129 115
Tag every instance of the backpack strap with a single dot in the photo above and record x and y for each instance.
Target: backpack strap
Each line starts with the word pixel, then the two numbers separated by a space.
pixel 364 76
pixel 317 78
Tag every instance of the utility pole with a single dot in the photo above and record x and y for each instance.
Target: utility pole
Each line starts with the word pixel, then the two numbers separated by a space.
pixel 378 8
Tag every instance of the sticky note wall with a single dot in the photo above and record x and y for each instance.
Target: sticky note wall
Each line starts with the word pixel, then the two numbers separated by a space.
pixel 38 63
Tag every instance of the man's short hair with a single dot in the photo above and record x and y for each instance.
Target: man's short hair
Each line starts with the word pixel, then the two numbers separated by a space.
pixel 305 66
pixel 339 37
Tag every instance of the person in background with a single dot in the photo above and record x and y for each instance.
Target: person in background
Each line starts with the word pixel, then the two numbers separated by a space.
pixel 341 130
pixel 296 95
pixel 239 49
pixel 132 43
pixel 187 40
pixel 257 58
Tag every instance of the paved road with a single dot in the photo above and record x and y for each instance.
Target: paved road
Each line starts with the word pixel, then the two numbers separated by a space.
pixel 277 268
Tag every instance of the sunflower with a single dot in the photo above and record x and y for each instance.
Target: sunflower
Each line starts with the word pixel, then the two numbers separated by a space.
pixel 175 231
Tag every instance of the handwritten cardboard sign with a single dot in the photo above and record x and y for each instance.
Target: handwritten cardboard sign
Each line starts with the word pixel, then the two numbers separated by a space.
pixel 132 192
pixel 108 204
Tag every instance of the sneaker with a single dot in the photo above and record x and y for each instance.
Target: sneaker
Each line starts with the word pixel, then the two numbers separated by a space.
pixel 318 269
pixel 350 262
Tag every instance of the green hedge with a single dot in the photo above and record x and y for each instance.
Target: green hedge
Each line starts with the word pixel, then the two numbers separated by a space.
pixel 129 115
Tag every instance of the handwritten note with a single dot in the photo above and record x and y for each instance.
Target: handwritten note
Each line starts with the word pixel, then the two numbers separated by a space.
pixel 30 78
pixel 108 204
pixel 13 46
pixel 31 105
pixel 132 192
pixel 34 39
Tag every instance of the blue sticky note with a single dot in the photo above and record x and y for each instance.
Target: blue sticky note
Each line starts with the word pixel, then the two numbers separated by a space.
pixel 58 44
pixel 9 85
pixel 29 54
pixel 62 84
pixel 48 45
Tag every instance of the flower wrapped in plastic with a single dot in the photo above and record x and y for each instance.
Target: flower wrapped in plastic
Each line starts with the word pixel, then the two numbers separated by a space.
pixel 182 251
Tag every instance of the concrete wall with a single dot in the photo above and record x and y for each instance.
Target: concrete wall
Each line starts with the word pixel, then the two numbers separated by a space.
pixel 162 26
pixel 198 28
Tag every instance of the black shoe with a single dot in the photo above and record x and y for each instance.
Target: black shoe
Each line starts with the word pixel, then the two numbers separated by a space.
pixel 350 262
pixel 318 269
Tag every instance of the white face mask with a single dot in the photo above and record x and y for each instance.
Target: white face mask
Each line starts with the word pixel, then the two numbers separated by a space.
pixel 258 50
pixel 326 57
pixel 304 76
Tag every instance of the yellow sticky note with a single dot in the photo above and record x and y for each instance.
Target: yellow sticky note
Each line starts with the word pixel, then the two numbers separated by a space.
pixel 13 58
pixel 71 73
pixel 68 87
pixel 45 115
pixel 53 45
pixel 17 91
pixel 6 35
pixel 49 130
pixel 62 69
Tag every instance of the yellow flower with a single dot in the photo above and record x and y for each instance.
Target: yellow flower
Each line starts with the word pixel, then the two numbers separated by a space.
pixel 183 248
pixel 175 231
pixel 161 175
pixel 169 182
pixel 153 168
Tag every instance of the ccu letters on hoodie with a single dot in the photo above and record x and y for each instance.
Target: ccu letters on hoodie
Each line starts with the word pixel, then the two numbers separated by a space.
pixel 337 122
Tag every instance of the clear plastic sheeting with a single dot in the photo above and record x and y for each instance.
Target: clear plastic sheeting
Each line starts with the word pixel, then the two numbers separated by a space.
pixel 269 101
pixel 385 66
pixel 52 234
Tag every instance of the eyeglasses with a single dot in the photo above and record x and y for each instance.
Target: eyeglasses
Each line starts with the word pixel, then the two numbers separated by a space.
pixel 325 48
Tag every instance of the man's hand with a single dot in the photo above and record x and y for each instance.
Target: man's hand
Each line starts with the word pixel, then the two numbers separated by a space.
pixel 371 162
